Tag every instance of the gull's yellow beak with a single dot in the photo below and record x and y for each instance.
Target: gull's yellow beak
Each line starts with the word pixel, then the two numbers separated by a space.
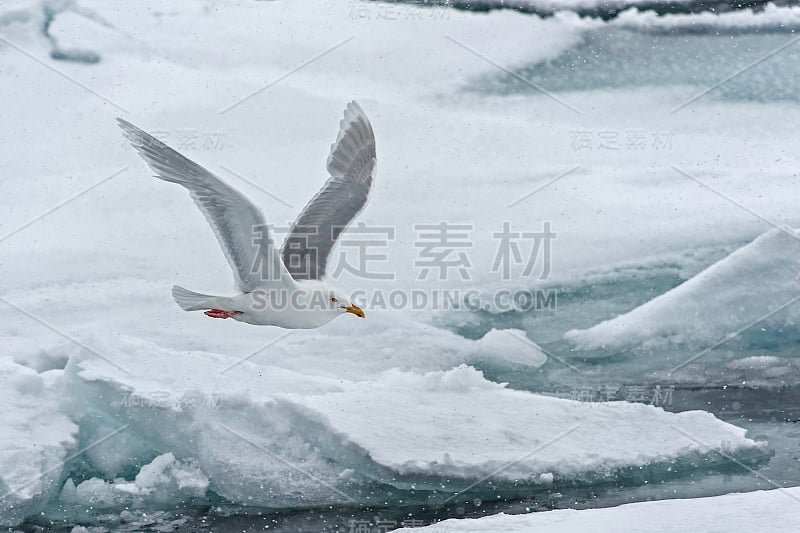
pixel 356 310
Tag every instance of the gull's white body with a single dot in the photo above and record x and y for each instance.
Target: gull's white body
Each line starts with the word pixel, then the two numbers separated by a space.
pixel 274 306
pixel 287 289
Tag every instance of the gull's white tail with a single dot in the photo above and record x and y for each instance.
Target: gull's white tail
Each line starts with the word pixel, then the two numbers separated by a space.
pixel 192 301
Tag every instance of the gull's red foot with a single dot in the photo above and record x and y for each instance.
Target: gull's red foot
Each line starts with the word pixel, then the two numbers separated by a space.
pixel 219 313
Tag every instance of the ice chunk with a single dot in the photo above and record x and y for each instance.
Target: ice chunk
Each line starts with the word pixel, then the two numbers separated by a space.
pixel 510 346
pixel 269 436
pixel 165 480
pixel 729 295
pixel 35 441
pixel 410 421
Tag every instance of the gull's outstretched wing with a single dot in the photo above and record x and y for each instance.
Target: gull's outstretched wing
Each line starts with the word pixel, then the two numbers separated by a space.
pixel 238 225
pixel 352 166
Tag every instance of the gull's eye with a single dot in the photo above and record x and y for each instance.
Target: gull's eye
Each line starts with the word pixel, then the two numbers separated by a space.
pixel 333 300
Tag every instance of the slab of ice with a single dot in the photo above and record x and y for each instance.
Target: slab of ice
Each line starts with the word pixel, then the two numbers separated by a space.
pixel 273 432
pixel 265 435
pixel 35 441
pixel 729 295
pixel 456 424
pixel 772 511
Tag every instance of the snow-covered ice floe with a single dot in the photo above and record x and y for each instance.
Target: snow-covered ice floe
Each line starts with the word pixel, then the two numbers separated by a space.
pixel 35 441
pixel 758 283
pixel 772 511
pixel 157 426
pixel 352 413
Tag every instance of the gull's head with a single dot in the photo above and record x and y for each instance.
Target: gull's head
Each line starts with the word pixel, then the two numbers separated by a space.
pixel 342 303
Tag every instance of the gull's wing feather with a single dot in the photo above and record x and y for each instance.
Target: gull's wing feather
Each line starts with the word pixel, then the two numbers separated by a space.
pixel 238 225
pixel 352 165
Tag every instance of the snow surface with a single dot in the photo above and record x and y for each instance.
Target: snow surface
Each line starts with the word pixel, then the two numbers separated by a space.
pixel 179 398
pixel 772 511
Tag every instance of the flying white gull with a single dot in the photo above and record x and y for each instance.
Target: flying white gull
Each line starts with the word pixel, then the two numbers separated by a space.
pixel 286 290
